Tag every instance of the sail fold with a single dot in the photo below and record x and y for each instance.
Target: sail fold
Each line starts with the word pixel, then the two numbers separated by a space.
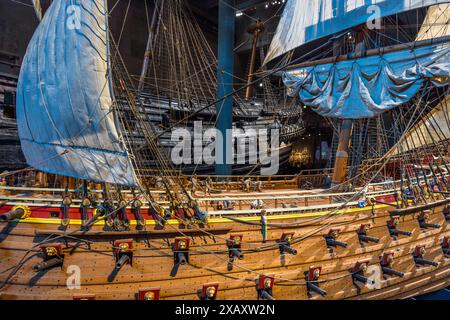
pixel 64 97
pixel 304 21
pixel 367 87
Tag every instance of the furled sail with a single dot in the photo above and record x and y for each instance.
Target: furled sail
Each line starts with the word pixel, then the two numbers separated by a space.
pixel 436 24
pixel 304 21
pixel 425 132
pixel 64 97
pixel 37 8
pixel 366 87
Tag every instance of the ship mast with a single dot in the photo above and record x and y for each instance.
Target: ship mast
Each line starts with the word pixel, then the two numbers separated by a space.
pixel 148 49
pixel 256 31
pixel 340 166
pixel 345 136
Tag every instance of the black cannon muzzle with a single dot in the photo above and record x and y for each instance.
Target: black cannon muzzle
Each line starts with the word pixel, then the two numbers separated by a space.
pixel 315 288
pixel 392 272
pixel 361 278
pixel 266 296
pixel 44 265
pixel 396 232
pixel 84 214
pixel 331 242
pixel 181 258
pixel 365 238
pixel 425 225
pixel 13 215
pixel 139 218
pixel 236 253
pixel 288 249
pixel 423 261
pixel 122 261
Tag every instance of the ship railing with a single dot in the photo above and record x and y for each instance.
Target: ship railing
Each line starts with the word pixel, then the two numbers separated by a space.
pixel 295 198
pixel 23 177
pixel 415 182
pixel 307 206
pixel 288 202
pixel 279 210
pixel 61 190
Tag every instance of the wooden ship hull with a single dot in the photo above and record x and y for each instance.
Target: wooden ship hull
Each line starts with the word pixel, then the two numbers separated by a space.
pixel 308 217
pixel 381 241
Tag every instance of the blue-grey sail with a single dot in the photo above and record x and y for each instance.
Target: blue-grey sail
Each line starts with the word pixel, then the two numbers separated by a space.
pixel 367 87
pixel 65 99
pixel 304 21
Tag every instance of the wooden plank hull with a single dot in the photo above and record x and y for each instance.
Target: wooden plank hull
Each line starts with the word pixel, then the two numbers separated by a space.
pixel 153 258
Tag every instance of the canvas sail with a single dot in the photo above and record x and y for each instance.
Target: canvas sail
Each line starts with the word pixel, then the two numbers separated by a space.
pixel 436 24
pixel 65 100
pixel 304 21
pixel 367 87
pixel 37 8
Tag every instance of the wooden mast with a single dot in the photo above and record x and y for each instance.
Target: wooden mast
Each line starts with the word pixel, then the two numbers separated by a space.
pixel 256 30
pixel 341 164
pixel 148 50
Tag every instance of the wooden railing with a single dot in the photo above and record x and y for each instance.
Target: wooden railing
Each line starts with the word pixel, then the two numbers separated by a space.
pixel 315 178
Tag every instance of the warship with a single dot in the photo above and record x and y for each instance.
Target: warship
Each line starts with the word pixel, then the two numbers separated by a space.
pixel 103 213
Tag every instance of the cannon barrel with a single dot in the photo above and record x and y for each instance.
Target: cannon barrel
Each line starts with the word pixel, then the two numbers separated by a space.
pixel 138 214
pixel 425 225
pixel 84 213
pixel 140 221
pixel 181 258
pixel 423 261
pixel 392 272
pixel 362 278
pixel 365 238
pixel 235 253
pixel 12 215
pixel 123 215
pixel 65 214
pixel 167 214
pixel 44 265
pixel 397 232
pixel 266 296
pixel 334 243
pixel 121 262
pixel 288 249
pixel 316 289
